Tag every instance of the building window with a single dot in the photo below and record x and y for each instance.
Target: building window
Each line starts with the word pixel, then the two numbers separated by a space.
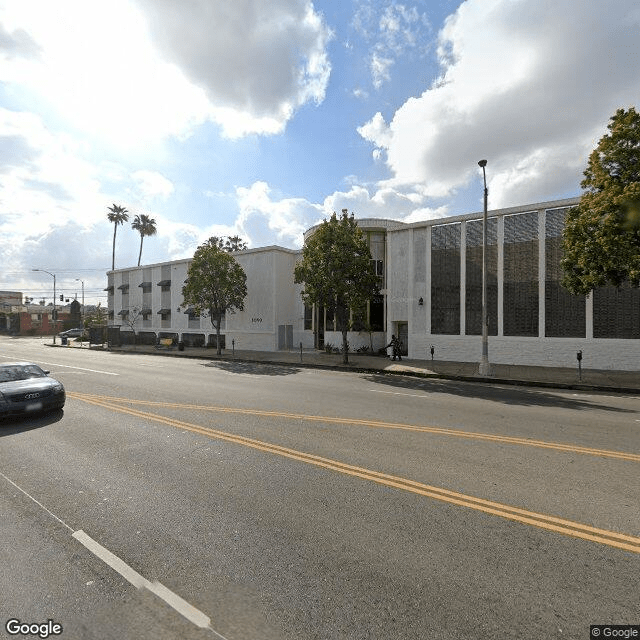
pixel 473 267
pixel 308 317
pixel 376 313
pixel 615 312
pixel 521 298
pixel 445 279
pixel 565 314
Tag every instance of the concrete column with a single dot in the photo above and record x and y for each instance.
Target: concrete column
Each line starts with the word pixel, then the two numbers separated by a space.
pixel 500 241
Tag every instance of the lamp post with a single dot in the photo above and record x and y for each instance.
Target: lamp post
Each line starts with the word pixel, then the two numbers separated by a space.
pixel 484 368
pixel 55 313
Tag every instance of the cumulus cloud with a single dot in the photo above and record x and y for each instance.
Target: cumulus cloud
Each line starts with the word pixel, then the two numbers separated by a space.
pixel 262 218
pixel 522 86
pixel 152 184
pixel 266 219
pixel 256 61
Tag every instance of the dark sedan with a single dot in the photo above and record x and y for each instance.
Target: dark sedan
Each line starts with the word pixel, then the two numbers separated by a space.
pixel 25 388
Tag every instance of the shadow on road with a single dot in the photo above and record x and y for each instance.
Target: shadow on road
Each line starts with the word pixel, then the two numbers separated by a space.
pixel 254 368
pixel 18 424
pixel 516 395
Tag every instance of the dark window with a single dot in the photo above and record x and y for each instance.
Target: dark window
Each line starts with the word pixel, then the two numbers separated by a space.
pixel 615 312
pixel 445 279
pixel 521 300
pixel 308 317
pixel 473 265
pixel 565 314
pixel 376 313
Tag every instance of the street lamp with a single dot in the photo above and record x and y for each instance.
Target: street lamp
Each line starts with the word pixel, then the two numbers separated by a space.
pixel 484 369
pixel 55 313
pixel 80 280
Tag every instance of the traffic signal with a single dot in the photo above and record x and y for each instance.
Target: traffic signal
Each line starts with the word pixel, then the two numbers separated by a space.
pixel 61 297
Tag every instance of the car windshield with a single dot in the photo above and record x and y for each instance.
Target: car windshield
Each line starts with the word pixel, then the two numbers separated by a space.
pixel 11 373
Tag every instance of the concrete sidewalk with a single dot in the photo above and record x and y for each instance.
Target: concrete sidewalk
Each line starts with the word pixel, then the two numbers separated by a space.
pixel 591 379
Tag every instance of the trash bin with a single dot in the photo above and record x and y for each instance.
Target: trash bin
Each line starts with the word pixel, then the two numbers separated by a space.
pixel 64 340
pixel 181 346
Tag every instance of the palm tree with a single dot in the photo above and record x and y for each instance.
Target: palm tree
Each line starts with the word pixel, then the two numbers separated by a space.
pixel 146 226
pixel 117 215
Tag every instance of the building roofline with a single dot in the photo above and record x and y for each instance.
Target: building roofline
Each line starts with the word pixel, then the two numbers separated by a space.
pixel 272 247
pixel 492 213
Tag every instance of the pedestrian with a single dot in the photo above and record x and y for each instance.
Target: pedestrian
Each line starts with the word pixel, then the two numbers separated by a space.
pixel 395 347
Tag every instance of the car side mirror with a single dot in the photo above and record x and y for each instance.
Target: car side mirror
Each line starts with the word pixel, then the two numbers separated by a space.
pixel 46 373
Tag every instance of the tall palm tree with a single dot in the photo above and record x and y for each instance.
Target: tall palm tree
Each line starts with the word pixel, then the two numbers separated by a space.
pixel 117 215
pixel 146 226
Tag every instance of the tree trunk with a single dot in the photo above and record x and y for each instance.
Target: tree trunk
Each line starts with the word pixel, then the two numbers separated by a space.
pixel 113 252
pixel 216 326
pixel 140 254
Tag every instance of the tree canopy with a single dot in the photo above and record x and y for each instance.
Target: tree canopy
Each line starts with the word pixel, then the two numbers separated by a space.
pixel 117 215
pixel 336 270
pixel 145 226
pixel 601 241
pixel 230 244
pixel 216 284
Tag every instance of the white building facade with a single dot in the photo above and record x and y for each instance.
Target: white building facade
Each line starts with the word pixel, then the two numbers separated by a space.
pixel 431 297
pixel 435 294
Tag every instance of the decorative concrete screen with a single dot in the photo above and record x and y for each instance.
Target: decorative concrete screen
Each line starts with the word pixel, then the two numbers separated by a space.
pixel 445 279
pixel 473 264
pixel 521 274
pixel 565 314
pixel 615 312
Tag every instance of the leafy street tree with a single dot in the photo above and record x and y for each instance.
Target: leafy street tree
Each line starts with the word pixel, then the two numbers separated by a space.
pixel 216 284
pixel 231 244
pixel 601 242
pixel 117 215
pixel 145 226
pixel 336 271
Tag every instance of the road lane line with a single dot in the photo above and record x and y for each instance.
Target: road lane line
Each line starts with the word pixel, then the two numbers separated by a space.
pixel 53 515
pixel 517 514
pixel 557 446
pixel 128 573
pixel 68 366
pixel 177 603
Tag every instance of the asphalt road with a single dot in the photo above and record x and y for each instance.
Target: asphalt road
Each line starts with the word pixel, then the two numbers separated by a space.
pixel 183 499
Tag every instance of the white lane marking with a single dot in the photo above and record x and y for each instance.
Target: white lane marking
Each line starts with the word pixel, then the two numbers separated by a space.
pixel 68 366
pixel 140 582
pixel 397 393
pixel 131 575
pixel 53 515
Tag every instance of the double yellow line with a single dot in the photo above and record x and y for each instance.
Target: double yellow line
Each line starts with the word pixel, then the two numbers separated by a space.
pixel 557 446
pixel 550 523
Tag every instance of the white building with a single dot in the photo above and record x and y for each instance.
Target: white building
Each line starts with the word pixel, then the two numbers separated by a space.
pixel 430 297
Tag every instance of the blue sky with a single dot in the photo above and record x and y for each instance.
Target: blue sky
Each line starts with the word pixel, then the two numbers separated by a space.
pixel 261 118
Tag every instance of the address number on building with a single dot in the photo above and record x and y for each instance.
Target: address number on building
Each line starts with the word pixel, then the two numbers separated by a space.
pixel 256 319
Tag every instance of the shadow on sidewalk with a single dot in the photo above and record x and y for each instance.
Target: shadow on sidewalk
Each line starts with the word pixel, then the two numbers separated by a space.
pixel 505 394
pixel 254 368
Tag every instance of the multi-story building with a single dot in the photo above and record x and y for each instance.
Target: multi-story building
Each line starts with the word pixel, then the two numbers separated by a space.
pixel 431 296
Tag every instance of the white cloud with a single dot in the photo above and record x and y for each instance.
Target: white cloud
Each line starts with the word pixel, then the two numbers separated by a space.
pixel 261 218
pixel 264 217
pixel 380 69
pixel 152 184
pixel 247 65
pixel 256 61
pixel 523 86
pixel 394 31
